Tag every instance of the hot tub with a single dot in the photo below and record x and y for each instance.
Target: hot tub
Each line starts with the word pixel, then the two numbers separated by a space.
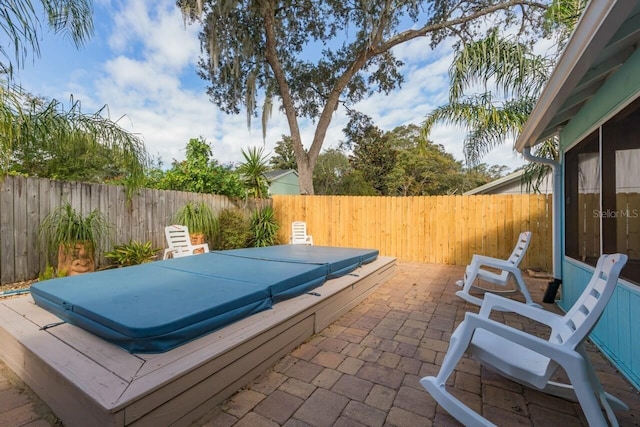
pixel 154 307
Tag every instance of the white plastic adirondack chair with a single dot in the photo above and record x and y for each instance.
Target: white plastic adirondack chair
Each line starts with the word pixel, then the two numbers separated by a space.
pixel 179 242
pixel 508 268
pixel 530 360
pixel 299 234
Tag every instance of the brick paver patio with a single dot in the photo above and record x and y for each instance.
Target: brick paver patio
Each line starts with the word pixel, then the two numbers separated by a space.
pixel 364 369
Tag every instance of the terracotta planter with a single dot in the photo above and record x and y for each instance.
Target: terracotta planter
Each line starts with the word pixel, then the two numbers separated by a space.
pixel 197 239
pixel 76 259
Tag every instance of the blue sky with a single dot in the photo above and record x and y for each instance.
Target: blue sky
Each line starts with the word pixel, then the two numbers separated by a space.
pixel 141 63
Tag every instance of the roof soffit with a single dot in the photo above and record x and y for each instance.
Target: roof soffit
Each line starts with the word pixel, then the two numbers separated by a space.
pixel 599 46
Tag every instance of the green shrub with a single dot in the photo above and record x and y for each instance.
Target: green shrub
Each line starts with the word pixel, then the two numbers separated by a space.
pixel 132 253
pixel 50 273
pixel 235 230
pixel 264 227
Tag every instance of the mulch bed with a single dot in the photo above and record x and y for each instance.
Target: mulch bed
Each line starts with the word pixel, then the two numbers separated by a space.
pixel 16 286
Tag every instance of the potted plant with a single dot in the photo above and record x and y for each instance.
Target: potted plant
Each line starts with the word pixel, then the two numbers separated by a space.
pixel 200 220
pixel 75 237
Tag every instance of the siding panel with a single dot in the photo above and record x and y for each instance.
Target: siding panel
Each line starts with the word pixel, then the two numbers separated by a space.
pixel 616 332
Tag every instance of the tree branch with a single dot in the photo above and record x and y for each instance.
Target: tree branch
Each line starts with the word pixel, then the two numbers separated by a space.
pixel 421 32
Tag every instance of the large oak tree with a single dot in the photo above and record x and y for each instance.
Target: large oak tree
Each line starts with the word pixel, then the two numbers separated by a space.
pixel 315 55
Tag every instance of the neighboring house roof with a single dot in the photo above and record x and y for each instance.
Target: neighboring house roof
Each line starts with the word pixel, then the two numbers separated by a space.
pixel 605 37
pixel 496 185
pixel 509 184
pixel 273 175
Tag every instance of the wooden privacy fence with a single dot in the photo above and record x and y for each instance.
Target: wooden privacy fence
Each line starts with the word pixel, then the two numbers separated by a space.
pixel 435 229
pixel 24 202
pixel 438 229
pixel 627 224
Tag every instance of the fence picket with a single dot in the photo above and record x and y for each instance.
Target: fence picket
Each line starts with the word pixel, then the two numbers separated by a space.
pixel 40 250
pixel 20 227
pixel 7 250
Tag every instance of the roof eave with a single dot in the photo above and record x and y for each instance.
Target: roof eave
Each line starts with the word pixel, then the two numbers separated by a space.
pixel 600 21
pixel 500 182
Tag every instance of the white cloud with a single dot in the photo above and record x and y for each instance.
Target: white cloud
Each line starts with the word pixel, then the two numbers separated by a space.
pixel 146 75
pixel 159 27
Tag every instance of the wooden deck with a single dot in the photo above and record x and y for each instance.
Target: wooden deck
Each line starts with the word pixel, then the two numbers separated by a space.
pixel 87 381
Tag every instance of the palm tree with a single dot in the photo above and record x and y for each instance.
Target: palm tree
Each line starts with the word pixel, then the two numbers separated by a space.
pixel 516 74
pixel 51 130
pixel 20 22
pixel 47 125
pixel 253 170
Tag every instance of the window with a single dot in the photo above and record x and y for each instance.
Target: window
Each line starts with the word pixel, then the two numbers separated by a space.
pixel 628 203
pixel 582 203
pixel 602 190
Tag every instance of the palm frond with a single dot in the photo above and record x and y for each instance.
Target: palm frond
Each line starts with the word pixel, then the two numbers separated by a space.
pixel 512 65
pixel 489 123
pixel 73 18
pixel 25 120
pixel 20 22
pixel 502 123
pixel 562 16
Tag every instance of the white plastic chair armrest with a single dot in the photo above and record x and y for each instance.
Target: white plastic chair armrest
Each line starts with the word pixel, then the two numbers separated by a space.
pixel 474 271
pixel 500 303
pixel 510 268
pixel 167 252
pixel 561 354
pixel 482 261
pixel 505 266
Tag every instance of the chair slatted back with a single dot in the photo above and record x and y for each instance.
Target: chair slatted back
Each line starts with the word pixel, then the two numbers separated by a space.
pixel 580 320
pixel 521 247
pixel 178 237
pixel 299 232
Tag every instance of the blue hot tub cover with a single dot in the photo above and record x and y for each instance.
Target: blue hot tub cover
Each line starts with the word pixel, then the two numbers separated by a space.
pixel 337 261
pixel 154 307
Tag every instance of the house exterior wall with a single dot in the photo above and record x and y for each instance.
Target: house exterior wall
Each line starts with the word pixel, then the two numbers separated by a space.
pixel 545 187
pixel 616 333
pixel 509 188
pixel 286 184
